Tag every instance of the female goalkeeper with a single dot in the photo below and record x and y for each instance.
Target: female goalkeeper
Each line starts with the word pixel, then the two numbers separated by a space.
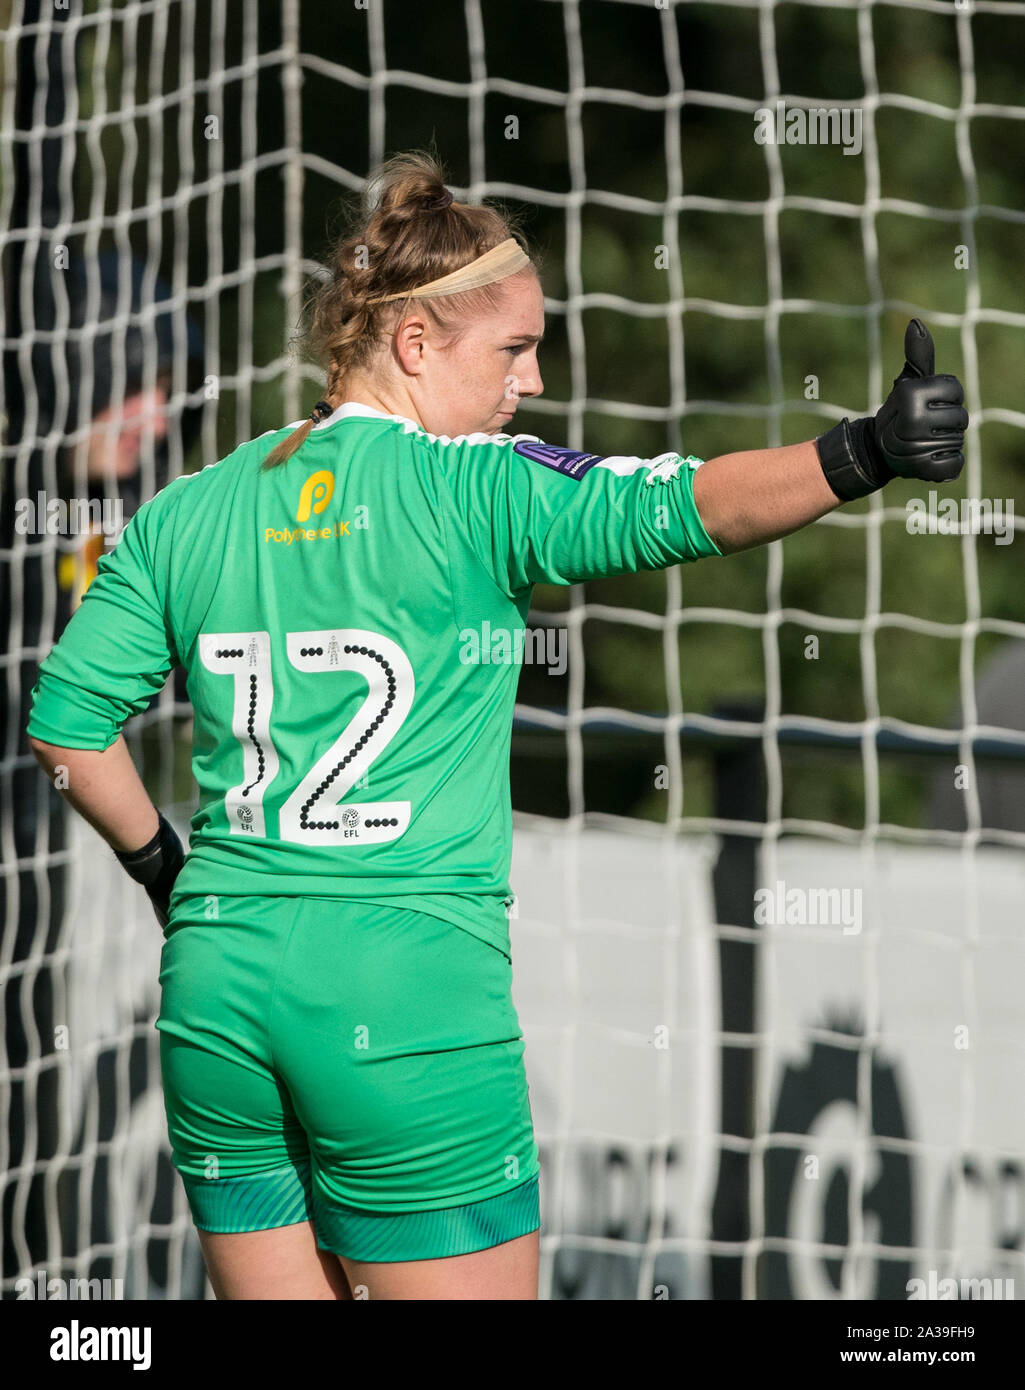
pixel 342 1062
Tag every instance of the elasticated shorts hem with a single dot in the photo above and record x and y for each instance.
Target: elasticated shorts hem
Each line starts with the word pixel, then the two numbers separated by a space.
pixel 426 1235
pixel 235 1206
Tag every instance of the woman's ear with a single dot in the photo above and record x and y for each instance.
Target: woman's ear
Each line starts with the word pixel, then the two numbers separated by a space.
pixel 410 340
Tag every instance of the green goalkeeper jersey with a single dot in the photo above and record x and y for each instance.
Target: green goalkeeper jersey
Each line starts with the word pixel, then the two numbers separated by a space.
pixel 352 627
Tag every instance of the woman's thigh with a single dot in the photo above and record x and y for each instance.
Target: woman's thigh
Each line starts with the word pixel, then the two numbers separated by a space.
pixel 284 1263
pixel 506 1271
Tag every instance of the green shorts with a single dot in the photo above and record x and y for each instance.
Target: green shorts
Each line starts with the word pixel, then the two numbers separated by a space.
pixel 357 1066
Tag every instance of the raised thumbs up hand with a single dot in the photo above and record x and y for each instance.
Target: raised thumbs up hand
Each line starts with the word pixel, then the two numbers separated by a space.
pixel 918 432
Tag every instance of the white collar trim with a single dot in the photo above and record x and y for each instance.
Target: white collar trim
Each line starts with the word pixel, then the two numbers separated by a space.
pixel 349 409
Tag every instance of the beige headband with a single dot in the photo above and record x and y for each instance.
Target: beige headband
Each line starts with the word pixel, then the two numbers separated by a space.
pixel 504 259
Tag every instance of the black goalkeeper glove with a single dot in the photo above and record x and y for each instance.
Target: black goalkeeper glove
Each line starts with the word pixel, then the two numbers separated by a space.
pixel 156 866
pixel 918 432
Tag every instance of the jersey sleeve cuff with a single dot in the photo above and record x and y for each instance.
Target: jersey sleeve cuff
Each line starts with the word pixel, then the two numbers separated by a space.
pixel 61 714
pixel 704 545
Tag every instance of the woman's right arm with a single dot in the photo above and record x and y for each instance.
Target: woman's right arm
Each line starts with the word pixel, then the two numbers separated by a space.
pixel 538 513
pixel 759 495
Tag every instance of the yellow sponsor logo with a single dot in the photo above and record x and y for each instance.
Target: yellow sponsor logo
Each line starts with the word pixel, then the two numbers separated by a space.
pixel 301 533
pixel 317 492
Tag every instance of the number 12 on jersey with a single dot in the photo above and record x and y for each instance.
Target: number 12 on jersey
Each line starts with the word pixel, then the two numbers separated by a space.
pixel 315 811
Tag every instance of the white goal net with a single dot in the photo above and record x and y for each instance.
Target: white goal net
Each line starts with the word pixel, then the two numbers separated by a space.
pixel 770 808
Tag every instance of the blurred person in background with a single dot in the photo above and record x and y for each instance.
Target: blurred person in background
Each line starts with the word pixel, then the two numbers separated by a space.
pixel 123 458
